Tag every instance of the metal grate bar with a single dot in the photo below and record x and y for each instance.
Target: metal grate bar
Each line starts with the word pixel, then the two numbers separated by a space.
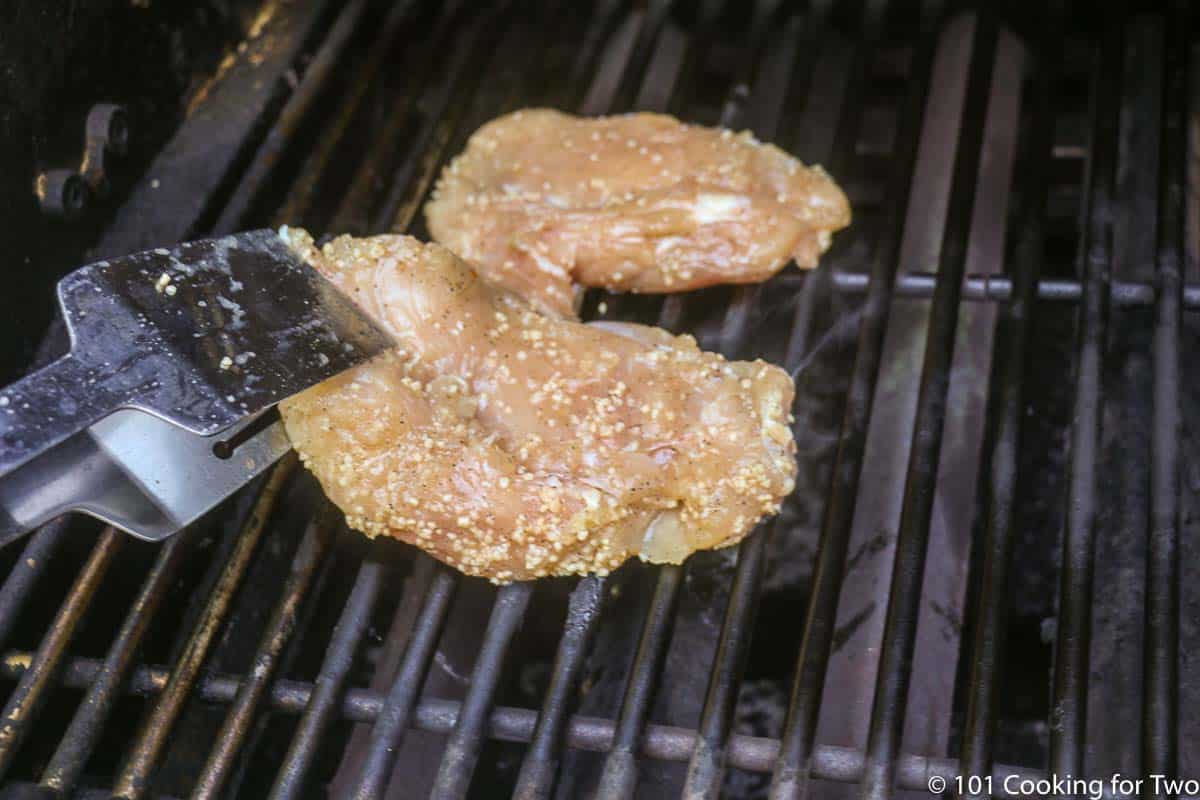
pixel 682 95
pixel 373 749
pixel 415 177
pixel 735 114
pixel 660 742
pixel 133 779
pixel 603 98
pixel 385 738
pixel 829 64
pixel 620 768
pixel 23 704
pixel 81 736
pixel 512 80
pixel 322 705
pixel 1160 727
pixel 562 55
pixel 1067 731
pixel 24 790
pixel 18 586
pixel 853 666
pixel 895 656
pixel 394 719
pixel 670 315
pixel 439 129
pixel 999 288
pixel 462 752
pixel 946 588
pixel 619 776
pixel 796 760
pixel 300 196
pixel 795 358
pixel 466 739
pixel 594 42
pixel 286 125
pixel 670 52
pixel 539 768
pixel 538 771
pixel 987 652
pixel 206 155
pixel 242 717
pixel 620 773
pixel 400 207
pixel 478 103
pixel 433 106
pixel 838 74
pixel 706 769
pixel 278 632
pixel 354 210
pixel 1116 653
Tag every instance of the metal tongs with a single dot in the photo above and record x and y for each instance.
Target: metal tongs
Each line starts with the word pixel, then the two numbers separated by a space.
pixel 162 407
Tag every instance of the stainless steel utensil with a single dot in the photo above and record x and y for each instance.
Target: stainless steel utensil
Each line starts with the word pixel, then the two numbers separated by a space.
pixel 161 408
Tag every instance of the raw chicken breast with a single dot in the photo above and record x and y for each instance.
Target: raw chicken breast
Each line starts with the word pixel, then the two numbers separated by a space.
pixel 541 201
pixel 513 445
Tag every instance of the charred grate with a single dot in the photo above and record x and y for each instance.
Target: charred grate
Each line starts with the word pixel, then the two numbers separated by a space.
pixel 1011 175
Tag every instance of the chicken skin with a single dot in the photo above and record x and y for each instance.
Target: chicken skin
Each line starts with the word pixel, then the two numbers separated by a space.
pixel 513 445
pixel 541 202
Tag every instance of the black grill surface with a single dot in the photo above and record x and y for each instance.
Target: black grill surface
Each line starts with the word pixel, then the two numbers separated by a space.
pixel 983 571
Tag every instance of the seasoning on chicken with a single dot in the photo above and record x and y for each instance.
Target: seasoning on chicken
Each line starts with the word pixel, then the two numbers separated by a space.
pixel 541 201
pixel 514 445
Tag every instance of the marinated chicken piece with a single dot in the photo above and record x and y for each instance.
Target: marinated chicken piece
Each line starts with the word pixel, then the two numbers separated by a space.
pixel 514 445
pixel 541 201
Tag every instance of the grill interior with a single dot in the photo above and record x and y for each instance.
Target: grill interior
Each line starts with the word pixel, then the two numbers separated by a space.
pixel 979 573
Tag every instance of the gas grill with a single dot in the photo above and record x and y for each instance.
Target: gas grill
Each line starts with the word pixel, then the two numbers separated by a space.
pixel 978 581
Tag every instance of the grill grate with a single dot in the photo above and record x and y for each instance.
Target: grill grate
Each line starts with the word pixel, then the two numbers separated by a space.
pixel 390 92
pixel 999 493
